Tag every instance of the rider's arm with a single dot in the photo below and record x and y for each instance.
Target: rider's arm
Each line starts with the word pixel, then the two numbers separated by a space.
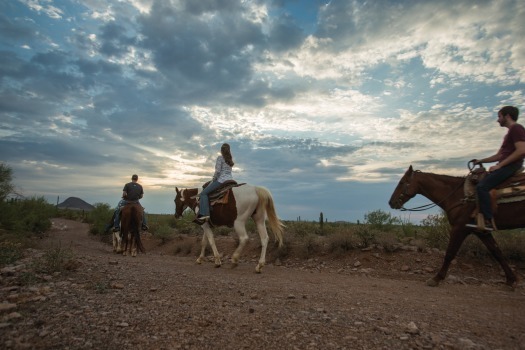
pixel 491 159
pixel 519 153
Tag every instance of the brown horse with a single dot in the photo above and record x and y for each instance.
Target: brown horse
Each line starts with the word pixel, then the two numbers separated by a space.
pixel 447 193
pixel 130 222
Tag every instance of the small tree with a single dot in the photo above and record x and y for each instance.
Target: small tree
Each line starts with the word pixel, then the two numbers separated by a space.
pixel 6 176
pixel 381 220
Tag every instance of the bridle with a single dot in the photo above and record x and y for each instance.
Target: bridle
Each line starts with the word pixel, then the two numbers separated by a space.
pixel 185 205
pixel 426 206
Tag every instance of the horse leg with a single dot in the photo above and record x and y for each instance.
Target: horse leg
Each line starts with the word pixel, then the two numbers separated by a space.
pixel 239 227
pixel 133 244
pixel 457 236
pixel 491 244
pixel 209 233
pixel 204 243
pixel 114 242
pixel 263 234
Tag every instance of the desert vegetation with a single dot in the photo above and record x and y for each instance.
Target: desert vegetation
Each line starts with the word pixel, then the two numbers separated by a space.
pixel 25 219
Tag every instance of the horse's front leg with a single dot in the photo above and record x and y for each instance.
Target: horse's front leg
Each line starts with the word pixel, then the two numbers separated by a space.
pixel 457 236
pixel 243 238
pixel 204 243
pixel 114 242
pixel 211 240
pixel 491 244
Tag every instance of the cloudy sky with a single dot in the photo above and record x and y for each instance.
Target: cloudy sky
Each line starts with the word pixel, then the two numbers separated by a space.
pixel 325 103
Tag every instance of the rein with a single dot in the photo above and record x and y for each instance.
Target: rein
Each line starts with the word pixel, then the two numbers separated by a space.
pixel 429 205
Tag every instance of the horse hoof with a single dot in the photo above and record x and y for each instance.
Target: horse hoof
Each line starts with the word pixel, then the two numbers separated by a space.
pixel 234 265
pixel 432 282
pixel 511 286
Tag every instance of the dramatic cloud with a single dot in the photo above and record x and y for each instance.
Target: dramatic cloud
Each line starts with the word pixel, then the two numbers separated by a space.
pixel 324 103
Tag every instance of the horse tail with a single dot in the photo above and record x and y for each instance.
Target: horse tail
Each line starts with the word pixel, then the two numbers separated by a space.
pixel 266 201
pixel 136 221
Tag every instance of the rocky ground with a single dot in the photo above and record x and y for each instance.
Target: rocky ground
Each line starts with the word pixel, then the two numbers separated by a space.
pixel 160 300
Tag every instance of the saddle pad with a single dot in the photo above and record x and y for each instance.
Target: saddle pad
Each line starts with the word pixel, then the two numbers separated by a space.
pixel 511 199
pixel 223 199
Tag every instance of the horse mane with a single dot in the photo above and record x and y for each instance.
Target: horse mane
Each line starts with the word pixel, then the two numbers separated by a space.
pixel 442 176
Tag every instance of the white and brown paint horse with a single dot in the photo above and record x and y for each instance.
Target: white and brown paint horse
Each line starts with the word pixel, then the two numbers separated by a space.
pixel 244 201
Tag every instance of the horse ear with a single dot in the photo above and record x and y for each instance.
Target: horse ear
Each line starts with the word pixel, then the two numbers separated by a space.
pixel 177 189
pixel 410 169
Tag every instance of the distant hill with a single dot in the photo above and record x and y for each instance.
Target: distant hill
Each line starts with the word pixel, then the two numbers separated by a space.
pixel 74 203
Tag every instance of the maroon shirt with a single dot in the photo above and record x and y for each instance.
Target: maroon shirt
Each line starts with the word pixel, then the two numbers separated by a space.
pixel 515 134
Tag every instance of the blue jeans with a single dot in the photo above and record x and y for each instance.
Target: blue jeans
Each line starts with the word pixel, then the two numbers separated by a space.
pixel 490 181
pixel 204 203
pixel 123 202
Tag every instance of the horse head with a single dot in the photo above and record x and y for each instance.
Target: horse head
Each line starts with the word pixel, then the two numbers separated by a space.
pixel 184 199
pixel 405 190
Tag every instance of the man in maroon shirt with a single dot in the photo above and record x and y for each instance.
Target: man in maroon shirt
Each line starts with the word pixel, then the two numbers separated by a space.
pixel 510 160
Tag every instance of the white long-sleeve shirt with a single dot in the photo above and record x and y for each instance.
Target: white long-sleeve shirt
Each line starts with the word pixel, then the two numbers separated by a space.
pixel 223 171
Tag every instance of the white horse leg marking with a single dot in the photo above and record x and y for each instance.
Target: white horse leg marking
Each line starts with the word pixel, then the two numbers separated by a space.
pixel 204 243
pixel 239 226
pixel 133 245
pixel 263 234
pixel 208 232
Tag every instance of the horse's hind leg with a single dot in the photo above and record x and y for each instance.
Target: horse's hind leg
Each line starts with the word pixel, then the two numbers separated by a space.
pixel 133 245
pixel 263 234
pixel 457 236
pixel 243 238
pixel 491 244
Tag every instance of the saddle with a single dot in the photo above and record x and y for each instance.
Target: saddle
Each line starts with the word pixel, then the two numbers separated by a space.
pixel 510 190
pixel 513 187
pixel 221 194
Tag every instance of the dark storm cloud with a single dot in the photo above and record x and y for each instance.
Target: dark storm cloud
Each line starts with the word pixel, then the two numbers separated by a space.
pixel 210 49
pixel 68 153
pixel 14 29
pixel 114 40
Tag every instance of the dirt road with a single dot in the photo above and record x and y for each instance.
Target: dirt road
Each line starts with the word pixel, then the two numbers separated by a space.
pixel 162 301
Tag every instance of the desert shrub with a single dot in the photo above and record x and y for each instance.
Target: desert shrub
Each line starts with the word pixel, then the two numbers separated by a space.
pixel 343 241
pixel 301 228
pixel 184 247
pixel 367 234
pixel 165 233
pixel 10 252
pixel 512 244
pixel 388 241
pixel 27 215
pixel 381 220
pixel 57 259
pixel 436 228
pixel 70 214
pixel 99 218
pixel 308 246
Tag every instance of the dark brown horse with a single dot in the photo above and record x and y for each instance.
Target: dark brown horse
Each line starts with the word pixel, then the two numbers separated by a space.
pixel 447 193
pixel 130 222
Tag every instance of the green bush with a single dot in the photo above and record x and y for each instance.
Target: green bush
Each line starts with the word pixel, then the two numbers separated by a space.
pixel 10 252
pixel 381 220
pixel 437 230
pixel 27 215
pixel 99 218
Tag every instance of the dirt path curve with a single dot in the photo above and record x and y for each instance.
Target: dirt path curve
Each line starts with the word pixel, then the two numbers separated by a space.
pixel 162 301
